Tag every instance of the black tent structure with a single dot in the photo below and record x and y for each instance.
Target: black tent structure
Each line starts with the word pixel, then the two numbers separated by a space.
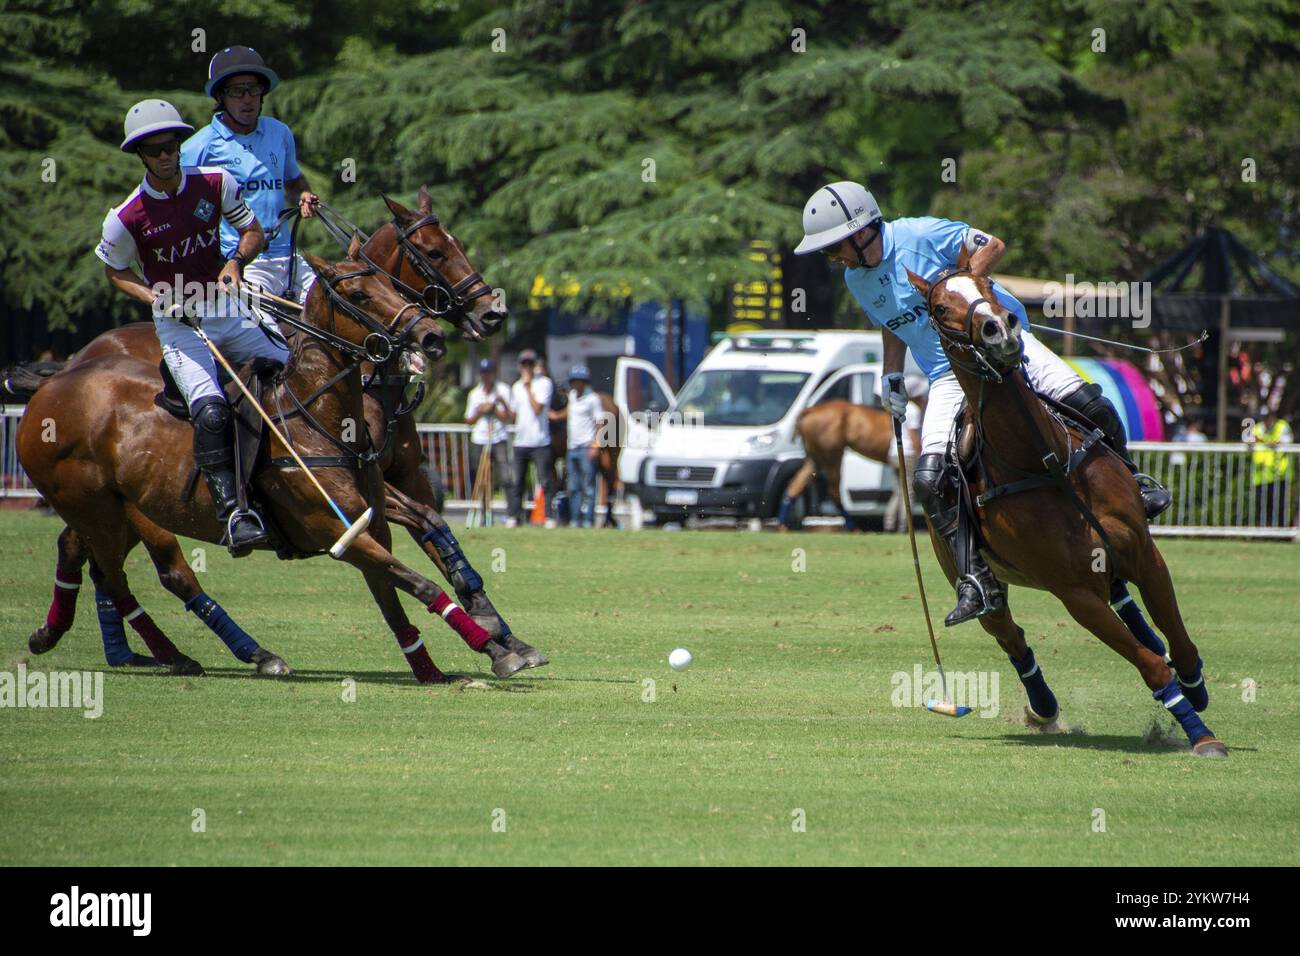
pixel 1216 283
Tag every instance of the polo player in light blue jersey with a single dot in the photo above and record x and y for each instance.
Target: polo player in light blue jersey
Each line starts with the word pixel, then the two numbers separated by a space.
pixel 260 152
pixel 844 222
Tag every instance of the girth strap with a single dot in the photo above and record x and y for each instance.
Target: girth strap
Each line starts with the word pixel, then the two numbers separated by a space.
pixel 1051 477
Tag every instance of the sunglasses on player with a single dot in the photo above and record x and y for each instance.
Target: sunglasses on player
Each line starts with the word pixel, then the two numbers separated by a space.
pixel 154 150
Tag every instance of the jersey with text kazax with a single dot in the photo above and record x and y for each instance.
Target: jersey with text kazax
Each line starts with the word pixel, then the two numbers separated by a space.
pixel 177 235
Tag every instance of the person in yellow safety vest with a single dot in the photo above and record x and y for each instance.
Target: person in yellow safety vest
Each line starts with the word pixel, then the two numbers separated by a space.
pixel 1270 467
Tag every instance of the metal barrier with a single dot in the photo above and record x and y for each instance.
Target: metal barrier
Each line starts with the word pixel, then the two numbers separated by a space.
pixel 1215 492
pixel 1213 484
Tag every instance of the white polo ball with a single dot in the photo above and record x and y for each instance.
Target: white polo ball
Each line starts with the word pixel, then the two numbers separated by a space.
pixel 680 659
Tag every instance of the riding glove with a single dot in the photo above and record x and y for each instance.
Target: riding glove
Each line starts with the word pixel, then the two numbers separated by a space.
pixel 895 394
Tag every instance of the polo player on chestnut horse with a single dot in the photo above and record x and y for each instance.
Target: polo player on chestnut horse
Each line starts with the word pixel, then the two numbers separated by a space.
pixel 407 247
pixel 116 466
pixel 889 267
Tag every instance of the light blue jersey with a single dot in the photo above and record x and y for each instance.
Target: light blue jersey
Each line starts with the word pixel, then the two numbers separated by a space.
pixel 261 161
pixel 926 246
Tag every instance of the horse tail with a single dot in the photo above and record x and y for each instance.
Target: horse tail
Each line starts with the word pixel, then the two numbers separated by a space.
pixel 22 381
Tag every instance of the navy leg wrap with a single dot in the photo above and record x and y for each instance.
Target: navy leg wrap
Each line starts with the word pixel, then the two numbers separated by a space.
pixel 1041 698
pixel 463 577
pixel 232 635
pixel 1134 620
pixel 1176 702
pixel 116 651
pixel 1194 689
pixel 783 513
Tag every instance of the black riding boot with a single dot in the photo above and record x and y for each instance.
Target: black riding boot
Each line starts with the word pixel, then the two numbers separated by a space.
pixel 978 591
pixel 215 456
pixel 1096 407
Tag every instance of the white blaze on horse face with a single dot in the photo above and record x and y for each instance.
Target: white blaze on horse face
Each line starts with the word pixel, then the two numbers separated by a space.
pixel 997 336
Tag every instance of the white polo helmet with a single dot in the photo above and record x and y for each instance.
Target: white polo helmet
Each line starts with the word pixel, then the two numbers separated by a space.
pixel 835 212
pixel 148 117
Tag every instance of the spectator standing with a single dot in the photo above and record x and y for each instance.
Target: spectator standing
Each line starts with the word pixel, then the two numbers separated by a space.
pixel 584 412
pixel 530 400
pixel 1270 468
pixel 488 409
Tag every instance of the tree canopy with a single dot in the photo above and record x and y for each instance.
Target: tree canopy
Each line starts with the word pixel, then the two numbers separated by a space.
pixel 635 149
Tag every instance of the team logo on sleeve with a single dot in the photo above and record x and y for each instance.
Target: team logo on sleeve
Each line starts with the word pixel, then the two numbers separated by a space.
pixel 204 210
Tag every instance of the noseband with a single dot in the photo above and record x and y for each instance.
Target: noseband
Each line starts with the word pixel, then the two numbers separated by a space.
pixel 963 340
pixel 458 295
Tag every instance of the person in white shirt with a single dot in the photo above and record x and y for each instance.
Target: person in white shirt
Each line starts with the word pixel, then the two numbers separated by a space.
pixel 488 410
pixel 584 414
pixel 530 400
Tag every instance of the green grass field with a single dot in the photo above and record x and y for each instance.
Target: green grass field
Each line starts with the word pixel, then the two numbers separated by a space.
pixel 787 708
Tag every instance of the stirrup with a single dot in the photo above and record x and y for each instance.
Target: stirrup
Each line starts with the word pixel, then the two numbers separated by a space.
pixel 988 602
pixel 236 515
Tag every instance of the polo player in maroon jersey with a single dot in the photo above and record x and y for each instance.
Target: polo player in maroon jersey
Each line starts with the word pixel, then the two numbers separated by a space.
pixel 170 226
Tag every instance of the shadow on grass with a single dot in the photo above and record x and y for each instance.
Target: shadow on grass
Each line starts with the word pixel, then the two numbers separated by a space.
pixel 1133 744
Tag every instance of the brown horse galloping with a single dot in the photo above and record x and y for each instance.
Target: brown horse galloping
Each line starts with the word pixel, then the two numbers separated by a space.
pixel 1058 511
pixel 115 458
pixel 409 499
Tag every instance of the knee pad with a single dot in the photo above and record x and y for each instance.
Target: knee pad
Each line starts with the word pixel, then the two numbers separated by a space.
pixel 211 415
pixel 928 479
pixel 211 419
pixel 1097 408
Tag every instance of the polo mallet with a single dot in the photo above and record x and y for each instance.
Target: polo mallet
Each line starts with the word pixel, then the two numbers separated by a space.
pixel 355 528
pixel 945 706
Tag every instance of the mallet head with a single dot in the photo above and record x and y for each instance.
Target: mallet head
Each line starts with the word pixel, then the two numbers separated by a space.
pixel 945 708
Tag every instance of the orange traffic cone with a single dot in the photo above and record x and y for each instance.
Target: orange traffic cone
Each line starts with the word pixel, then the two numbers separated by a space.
pixel 539 507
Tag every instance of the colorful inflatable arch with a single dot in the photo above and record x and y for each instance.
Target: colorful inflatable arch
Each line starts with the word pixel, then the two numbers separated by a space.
pixel 1128 391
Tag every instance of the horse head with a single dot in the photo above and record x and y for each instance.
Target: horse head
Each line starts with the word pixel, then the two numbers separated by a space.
pixel 979 334
pixel 434 260
pixel 380 322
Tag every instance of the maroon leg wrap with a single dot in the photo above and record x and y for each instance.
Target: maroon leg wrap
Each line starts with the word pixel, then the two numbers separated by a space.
pixel 63 607
pixel 460 622
pixel 159 645
pixel 417 655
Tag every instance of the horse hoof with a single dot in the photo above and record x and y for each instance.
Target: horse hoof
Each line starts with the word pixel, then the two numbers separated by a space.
pixel 507 664
pixel 1209 746
pixel 42 640
pixel 1038 720
pixel 182 666
pixel 271 664
pixel 530 655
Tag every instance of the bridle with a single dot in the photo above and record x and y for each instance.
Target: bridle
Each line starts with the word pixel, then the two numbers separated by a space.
pixel 459 295
pixel 963 340
pixel 382 342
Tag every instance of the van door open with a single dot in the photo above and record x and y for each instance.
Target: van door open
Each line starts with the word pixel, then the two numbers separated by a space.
pixel 641 394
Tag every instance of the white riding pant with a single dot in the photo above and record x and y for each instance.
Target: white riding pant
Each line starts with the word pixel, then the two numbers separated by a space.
pixel 233 329
pixel 1046 372
pixel 272 275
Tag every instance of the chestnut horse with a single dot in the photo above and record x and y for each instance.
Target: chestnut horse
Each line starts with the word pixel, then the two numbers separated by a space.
pixel 827 429
pixel 112 456
pixel 1058 511
pixel 409 498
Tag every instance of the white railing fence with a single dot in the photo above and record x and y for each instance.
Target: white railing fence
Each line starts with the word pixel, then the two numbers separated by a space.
pixel 1218 489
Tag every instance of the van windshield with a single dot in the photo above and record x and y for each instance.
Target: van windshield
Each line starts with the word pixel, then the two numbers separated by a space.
pixel 740 396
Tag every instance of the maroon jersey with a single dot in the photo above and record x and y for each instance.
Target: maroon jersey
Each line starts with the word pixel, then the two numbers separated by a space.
pixel 175 235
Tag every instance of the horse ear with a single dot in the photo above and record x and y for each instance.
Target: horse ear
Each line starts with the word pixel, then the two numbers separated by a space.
pixel 397 209
pixel 426 204
pixel 354 247
pixel 920 284
pixel 322 268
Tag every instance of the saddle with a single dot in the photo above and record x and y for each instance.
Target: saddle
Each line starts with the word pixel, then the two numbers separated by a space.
pixel 256 376
pixel 963 461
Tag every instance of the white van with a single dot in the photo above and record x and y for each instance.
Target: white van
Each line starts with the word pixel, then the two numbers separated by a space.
pixel 727 445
